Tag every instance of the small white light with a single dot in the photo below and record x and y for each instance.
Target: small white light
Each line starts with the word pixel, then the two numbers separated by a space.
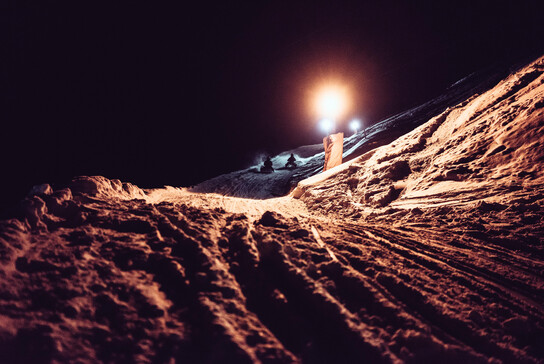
pixel 326 125
pixel 355 125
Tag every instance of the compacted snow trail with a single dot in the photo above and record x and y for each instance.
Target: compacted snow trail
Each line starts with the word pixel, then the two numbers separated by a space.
pixel 117 279
pixel 250 207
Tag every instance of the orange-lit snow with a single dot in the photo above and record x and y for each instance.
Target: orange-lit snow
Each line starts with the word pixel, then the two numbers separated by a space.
pixel 427 249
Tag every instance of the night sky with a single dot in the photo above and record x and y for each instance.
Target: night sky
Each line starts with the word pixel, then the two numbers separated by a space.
pixel 159 93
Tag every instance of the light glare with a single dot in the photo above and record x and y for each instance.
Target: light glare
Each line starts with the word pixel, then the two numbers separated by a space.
pixel 355 125
pixel 331 102
pixel 326 125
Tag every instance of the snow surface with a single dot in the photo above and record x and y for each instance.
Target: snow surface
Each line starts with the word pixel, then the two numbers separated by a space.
pixel 484 149
pixel 428 248
pixel 251 184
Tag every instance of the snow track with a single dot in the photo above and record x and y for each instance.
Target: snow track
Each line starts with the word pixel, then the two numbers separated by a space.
pixel 418 291
pixel 153 281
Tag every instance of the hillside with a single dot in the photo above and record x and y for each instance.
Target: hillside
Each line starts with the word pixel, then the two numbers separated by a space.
pixel 428 248
pixel 249 183
pixel 482 154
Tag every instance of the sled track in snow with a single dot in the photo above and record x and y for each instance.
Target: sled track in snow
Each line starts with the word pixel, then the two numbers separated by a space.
pixel 169 280
pixel 517 297
pixel 375 300
pixel 432 250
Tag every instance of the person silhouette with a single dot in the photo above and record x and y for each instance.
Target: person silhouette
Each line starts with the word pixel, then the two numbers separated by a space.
pixel 291 162
pixel 267 167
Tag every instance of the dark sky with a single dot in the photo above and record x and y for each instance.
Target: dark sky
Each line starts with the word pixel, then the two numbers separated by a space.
pixel 168 93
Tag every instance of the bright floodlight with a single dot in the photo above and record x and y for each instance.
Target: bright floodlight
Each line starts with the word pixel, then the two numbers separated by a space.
pixel 355 125
pixel 326 125
pixel 331 102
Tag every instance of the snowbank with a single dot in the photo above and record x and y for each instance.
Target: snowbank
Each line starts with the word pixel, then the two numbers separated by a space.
pixel 484 148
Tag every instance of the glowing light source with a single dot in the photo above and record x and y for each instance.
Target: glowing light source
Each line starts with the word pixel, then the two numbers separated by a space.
pixel 331 102
pixel 355 125
pixel 326 125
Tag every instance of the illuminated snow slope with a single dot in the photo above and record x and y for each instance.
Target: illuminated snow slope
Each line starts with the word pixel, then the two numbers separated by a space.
pixel 251 184
pixel 427 249
pixel 487 148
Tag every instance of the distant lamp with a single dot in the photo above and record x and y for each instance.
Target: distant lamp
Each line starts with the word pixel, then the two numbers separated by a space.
pixel 355 125
pixel 326 126
pixel 331 102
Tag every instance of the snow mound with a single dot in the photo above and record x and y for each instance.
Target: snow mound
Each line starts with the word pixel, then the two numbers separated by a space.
pixel 103 187
pixel 488 147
